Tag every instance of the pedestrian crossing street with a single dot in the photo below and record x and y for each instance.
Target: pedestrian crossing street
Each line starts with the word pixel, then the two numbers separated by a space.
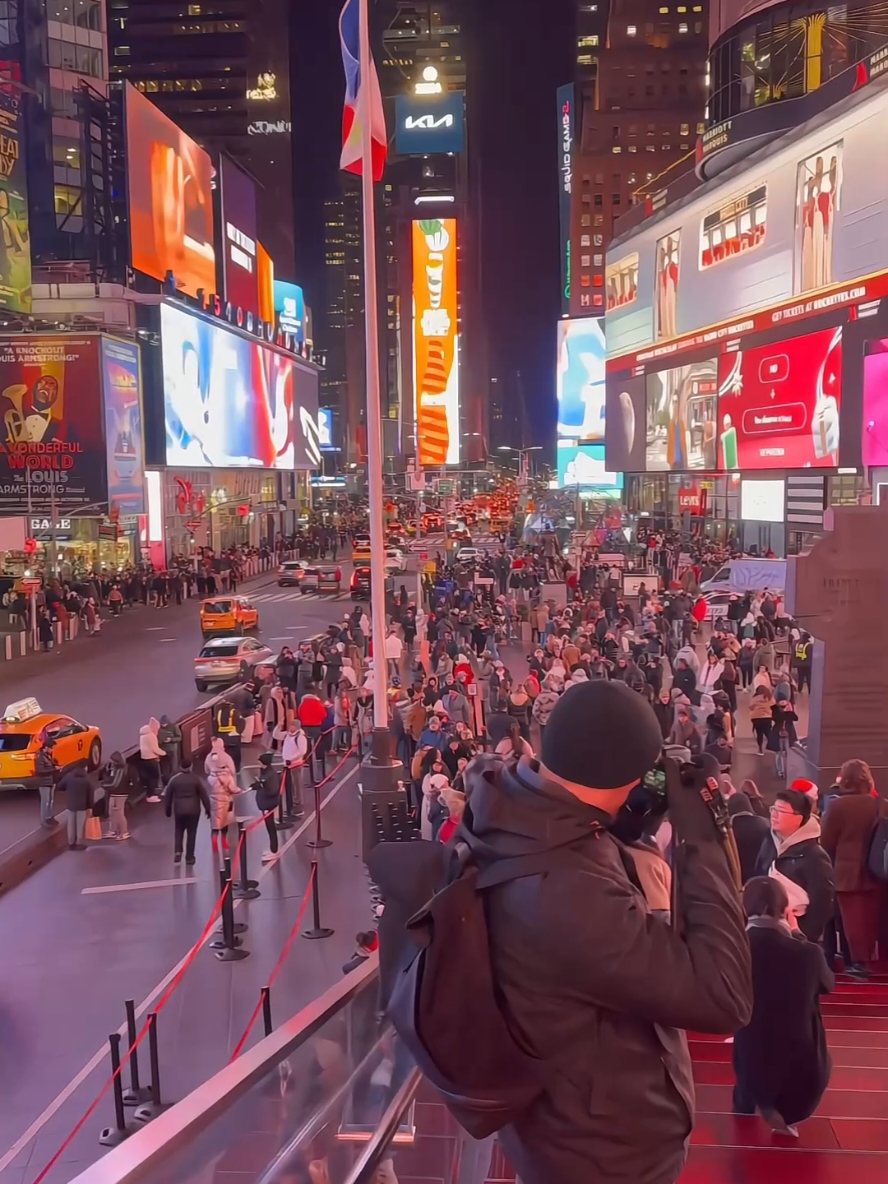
pixel 293 595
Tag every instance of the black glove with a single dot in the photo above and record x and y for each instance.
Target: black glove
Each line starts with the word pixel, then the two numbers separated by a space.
pixel 697 808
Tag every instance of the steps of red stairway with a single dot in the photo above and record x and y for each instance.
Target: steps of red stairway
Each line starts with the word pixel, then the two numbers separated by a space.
pixel 718 1073
pixel 731 1130
pixel 876 1011
pixel 855 1056
pixel 836 1103
pixel 733 1165
pixel 839 1023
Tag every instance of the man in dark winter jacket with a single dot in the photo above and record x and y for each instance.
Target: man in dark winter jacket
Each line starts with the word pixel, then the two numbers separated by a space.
pixel 590 980
pixel 793 849
pixel 78 790
pixel 185 795
pixel 46 770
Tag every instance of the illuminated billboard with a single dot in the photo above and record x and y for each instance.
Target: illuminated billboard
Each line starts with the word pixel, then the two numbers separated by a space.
pixel 122 389
pixel 624 435
pixel 15 239
pixel 232 402
pixel 681 423
pixel 818 196
pixel 566 125
pixel 436 341
pixel 666 278
pixel 429 124
pixel 581 466
pixel 239 236
pixel 875 404
pixel 169 181
pixel 289 304
pixel 778 404
pixel 51 404
pixel 580 379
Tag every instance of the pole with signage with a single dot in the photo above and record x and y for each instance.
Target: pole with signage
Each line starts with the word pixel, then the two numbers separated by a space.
pixel 381 740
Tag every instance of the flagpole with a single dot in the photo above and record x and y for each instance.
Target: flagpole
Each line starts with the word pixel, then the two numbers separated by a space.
pixel 381 747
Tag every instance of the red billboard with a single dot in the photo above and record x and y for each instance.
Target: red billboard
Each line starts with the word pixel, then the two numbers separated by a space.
pixel 239 236
pixel 52 445
pixel 169 179
pixel 778 405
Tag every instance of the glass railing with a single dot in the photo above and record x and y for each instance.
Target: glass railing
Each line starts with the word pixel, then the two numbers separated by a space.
pixel 307 1104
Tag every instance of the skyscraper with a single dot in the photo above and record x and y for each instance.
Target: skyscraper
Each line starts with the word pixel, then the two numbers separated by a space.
pixel 341 341
pixel 639 102
pixel 219 69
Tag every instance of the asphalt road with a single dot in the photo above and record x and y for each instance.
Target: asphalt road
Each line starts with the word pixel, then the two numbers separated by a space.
pixel 142 665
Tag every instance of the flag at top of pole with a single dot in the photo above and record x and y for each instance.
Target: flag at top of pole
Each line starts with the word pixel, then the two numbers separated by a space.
pixel 361 95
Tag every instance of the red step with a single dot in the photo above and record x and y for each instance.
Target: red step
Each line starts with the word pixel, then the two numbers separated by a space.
pixel 718 1073
pixel 861 1056
pixel 836 1103
pixel 742 1165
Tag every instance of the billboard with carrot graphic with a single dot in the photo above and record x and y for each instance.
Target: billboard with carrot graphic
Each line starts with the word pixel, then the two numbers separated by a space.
pixel 436 341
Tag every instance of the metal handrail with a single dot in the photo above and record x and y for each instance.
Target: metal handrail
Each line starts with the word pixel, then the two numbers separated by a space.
pixel 375 1152
pixel 182 1123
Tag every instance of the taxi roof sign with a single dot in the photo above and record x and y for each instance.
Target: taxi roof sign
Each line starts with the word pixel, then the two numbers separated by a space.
pixel 23 709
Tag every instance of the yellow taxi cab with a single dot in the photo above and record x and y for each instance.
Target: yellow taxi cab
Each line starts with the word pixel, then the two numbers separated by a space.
pixel 25 727
pixel 361 548
pixel 227 614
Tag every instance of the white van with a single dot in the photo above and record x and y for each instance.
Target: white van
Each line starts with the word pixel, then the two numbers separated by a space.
pixel 748 575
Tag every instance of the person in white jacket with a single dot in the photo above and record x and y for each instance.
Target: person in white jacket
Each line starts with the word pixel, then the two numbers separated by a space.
pixel 222 778
pixel 293 753
pixel 394 650
pixel 151 755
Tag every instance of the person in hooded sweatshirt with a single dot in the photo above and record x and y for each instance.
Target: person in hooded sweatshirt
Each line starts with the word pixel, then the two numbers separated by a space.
pixel 750 831
pixel 792 852
pixel 781 1062
pixel 588 977
pixel 117 781
pixel 151 754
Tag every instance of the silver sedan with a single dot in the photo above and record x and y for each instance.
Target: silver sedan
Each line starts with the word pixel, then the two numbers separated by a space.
pixel 224 659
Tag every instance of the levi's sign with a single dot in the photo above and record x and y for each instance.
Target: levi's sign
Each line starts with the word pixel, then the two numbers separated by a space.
pixel 430 124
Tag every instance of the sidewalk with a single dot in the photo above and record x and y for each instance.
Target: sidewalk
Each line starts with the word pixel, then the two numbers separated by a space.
pixel 125 907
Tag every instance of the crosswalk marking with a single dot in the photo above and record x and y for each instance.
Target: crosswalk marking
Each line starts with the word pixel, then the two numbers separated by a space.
pixel 296 597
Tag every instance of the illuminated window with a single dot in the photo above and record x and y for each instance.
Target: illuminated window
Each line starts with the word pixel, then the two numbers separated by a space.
pixel 585 59
pixel 633 147
pixel 681 8
pixel 631 30
pixel 599 219
pixel 194 10
pixel 585 240
pixel 701 128
pixel 598 300
pixel 583 42
pixel 67 199
pixel 664 10
pixel 616 148
pixel 585 281
pixel 598 240
pixel 121 51
pixel 585 219
pixel 734 228
pixel 585 261
pixel 599 200
pixel 598 280
pixel 683 28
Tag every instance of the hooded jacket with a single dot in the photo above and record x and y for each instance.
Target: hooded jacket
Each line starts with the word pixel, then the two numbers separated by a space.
pixel 78 789
pixel 116 775
pixel 149 747
pixel 544 705
pixel 596 985
pixel 802 859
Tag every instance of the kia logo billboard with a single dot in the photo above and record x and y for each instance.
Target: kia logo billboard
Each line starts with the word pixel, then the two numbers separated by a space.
pixel 427 124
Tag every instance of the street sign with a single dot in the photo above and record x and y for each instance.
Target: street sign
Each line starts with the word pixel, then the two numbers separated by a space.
pixel 192 524
pixel 445 487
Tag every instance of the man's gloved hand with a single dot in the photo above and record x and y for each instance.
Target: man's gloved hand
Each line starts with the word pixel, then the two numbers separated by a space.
pixel 697 809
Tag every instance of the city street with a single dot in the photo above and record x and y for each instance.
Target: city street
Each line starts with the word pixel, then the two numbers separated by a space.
pixel 142 665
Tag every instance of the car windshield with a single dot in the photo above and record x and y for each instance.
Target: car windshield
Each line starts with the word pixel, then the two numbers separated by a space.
pixel 220 651
pixel 217 607
pixel 14 742
pixel 291 565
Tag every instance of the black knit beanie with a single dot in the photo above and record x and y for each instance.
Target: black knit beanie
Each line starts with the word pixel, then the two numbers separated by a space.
pixel 601 735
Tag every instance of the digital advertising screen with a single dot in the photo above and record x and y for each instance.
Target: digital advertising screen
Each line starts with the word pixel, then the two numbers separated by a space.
pixel 875 403
pixel 169 182
pixel 325 431
pixel 428 124
pixel 624 427
pixel 122 389
pixel 15 241
pixel 566 99
pixel 666 280
pixel 231 402
pixel 681 417
pixel 818 197
pixel 580 379
pixel 762 501
pixel 51 404
pixel 289 305
pixel 581 466
pixel 436 341
pixel 239 236
pixel 778 404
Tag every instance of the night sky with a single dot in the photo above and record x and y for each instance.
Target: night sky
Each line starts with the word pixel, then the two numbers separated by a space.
pixel 526 52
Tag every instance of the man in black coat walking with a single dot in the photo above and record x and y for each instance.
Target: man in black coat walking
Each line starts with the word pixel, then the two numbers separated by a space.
pixel 184 797
pixel 793 850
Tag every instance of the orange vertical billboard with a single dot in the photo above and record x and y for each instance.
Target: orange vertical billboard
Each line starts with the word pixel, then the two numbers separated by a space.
pixel 436 341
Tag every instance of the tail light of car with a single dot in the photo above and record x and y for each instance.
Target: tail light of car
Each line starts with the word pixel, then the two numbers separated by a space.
pixel 338 575
pixel 353 583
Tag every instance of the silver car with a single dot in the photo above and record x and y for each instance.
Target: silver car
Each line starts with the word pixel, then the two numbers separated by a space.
pixel 224 659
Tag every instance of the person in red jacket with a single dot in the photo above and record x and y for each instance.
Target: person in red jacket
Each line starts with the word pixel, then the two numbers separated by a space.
pixel 312 714
pixel 698 612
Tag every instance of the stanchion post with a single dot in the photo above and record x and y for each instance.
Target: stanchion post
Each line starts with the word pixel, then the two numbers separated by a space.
pixel 224 878
pixel 317 931
pixel 154 1106
pixel 318 841
pixel 283 822
pixel 226 948
pixel 266 1011
pixel 136 1092
pixel 111 1136
pixel 245 888
pixel 290 812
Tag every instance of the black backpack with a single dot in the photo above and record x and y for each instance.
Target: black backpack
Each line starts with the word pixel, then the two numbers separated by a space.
pixel 878 850
pixel 438 986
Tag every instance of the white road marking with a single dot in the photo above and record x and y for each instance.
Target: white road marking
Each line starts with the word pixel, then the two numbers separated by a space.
pixel 96 1059
pixel 168 639
pixel 134 887
pixel 154 629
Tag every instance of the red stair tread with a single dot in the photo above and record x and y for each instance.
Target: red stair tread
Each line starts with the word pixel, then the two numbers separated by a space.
pixel 732 1165
pixel 841 1023
pixel 836 1103
pixel 858 1056
pixel 861 1134
pixel 731 1130
pixel 716 1073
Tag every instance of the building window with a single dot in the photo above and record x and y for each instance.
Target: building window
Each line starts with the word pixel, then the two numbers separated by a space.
pixel 585 261
pixel 121 51
pixel 633 148
pixel 631 30
pixel 586 42
pixel 615 199
pixel 599 219
pixel 585 240
pixel 684 130
pixel 85 14
pixel 67 199
pixel 585 300
pixel 598 280
pixel 599 178
pixel 585 281
pixel 598 300
pixel 599 200
pixel 664 10
pixel 598 240
pixel 616 149
pixel 597 260
pixel 585 219
pixel 701 128
pixel 683 28
pixel 194 10
pixel 66 152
